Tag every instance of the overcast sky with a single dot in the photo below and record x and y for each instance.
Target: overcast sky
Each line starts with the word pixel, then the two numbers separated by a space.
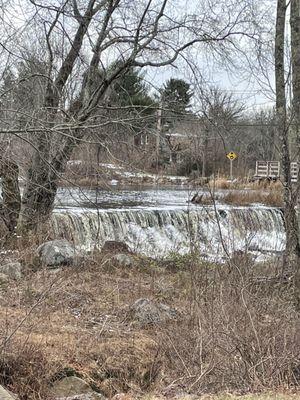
pixel 248 84
pixel 244 84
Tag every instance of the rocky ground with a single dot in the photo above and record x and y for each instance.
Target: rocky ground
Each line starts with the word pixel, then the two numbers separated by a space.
pixel 114 325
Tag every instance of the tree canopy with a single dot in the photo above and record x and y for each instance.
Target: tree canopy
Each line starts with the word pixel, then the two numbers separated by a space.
pixel 176 95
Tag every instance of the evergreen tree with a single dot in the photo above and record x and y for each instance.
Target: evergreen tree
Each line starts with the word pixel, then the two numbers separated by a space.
pixel 131 94
pixel 131 89
pixel 176 95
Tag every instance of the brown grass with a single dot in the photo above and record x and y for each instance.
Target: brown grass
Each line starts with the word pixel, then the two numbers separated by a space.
pixel 240 184
pixel 264 184
pixel 272 197
pixel 221 183
pixel 232 335
pixel 264 396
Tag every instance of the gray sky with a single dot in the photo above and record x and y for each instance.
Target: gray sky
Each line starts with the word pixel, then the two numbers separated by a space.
pixel 212 71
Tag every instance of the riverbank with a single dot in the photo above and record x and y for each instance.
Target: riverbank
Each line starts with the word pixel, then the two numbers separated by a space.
pixel 272 197
pixel 214 329
pixel 91 175
pixel 242 191
pixel 107 174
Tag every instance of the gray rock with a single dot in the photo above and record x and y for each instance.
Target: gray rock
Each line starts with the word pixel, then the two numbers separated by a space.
pixel 5 395
pixel 112 246
pixel 87 396
pixel 145 312
pixel 56 252
pixel 73 388
pixel 124 260
pixel 70 386
pixel 3 279
pixel 12 269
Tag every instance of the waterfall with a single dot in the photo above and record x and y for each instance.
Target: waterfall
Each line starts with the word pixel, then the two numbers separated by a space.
pixel 157 232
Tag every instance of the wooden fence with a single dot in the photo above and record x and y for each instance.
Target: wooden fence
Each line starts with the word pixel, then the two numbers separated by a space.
pixel 272 170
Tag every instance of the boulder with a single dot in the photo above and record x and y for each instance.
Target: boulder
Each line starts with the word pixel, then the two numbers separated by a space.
pixel 124 260
pixel 12 270
pixel 56 252
pixel 87 396
pixel 5 395
pixel 145 311
pixel 3 279
pixel 74 388
pixel 113 246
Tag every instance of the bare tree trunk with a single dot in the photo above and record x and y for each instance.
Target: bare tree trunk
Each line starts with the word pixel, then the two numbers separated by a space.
pixel 38 187
pixel 11 194
pixel 283 130
pixel 295 59
pixel 44 172
pixel 38 198
pixel 41 187
pixel 292 252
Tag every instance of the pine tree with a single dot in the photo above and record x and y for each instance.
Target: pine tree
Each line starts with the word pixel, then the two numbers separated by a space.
pixel 176 95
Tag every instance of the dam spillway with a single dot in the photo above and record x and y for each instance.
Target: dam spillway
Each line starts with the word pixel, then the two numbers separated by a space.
pixel 213 231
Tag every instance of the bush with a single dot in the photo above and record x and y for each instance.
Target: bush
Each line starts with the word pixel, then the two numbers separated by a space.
pixel 25 371
pixel 240 335
pixel 236 331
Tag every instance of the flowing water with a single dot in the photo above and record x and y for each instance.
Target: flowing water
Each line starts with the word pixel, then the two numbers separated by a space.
pixel 158 222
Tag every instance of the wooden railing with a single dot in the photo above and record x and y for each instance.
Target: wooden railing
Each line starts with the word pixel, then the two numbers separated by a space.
pixel 272 169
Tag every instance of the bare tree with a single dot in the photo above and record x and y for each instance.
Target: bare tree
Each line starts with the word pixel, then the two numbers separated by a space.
pixel 286 123
pixel 293 245
pixel 80 40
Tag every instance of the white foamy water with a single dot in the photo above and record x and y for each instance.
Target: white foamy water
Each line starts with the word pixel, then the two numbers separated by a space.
pixel 158 222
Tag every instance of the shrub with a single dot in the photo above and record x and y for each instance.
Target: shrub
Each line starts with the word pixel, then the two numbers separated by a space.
pixel 24 370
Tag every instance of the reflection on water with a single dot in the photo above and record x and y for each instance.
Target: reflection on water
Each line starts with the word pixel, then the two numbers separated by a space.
pixel 130 198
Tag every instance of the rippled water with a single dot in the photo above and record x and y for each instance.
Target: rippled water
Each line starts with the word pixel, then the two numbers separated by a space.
pixel 118 199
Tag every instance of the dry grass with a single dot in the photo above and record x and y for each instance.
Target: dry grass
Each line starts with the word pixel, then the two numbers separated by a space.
pixel 267 396
pixel 221 183
pixel 232 335
pixel 272 197
pixel 240 184
pixel 270 396
pixel 264 184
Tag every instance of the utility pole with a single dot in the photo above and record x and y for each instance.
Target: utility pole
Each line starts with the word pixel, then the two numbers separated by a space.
pixel 204 152
pixel 158 133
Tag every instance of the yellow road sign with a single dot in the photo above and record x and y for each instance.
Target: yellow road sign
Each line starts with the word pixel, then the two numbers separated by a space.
pixel 232 155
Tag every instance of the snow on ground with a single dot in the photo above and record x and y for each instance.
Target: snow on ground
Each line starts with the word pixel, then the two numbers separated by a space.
pixel 123 173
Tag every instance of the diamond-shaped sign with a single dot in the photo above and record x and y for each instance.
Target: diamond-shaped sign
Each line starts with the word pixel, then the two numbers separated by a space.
pixel 232 155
